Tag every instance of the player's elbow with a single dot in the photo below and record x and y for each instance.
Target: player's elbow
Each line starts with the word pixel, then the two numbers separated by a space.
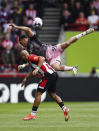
pixel 28 29
pixel 42 58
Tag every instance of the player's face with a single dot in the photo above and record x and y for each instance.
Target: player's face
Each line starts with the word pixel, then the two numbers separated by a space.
pixel 24 57
pixel 24 42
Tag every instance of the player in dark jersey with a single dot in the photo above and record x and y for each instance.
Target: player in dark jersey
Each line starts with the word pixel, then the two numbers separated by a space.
pixel 51 53
pixel 41 69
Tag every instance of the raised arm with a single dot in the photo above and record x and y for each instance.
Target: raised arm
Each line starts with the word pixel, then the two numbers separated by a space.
pixel 24 28
pixel 25 79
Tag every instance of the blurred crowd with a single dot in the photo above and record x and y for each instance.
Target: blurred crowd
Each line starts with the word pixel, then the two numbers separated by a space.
pixel 80 14
pixel 19 12
pixel 22 13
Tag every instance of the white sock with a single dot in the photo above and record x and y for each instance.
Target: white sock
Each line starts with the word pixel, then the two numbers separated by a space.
pixel 33 113
pixel 64 108
pixel 68 68
pixel 81 35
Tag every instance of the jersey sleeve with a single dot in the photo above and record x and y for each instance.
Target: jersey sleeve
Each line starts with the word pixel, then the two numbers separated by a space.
pixel 33 58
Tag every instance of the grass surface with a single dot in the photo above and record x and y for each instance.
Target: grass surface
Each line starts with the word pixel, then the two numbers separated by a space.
pixel 84 116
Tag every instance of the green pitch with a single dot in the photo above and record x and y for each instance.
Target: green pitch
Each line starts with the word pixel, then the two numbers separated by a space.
pixel 84 116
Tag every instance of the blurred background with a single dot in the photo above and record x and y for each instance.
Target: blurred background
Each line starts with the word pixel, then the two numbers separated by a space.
pixel 62 19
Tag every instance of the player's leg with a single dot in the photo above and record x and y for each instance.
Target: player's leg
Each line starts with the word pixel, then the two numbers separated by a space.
pixel 75 38
pixel 36 104
pixel 56 64
pixel 52 90
pixel 58 100
pixel 57 50
pixel 59 67
pixel 40 90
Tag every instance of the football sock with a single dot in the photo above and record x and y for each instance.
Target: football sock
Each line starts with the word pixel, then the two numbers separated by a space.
pixel 62 106
pixel 67 68
pixel 34 110
pixel 81 35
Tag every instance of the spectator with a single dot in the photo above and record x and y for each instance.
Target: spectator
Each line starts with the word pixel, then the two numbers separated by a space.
pixel 85 4
pixel 3 16
pixel 93 72
pixel 96 5
pixel 13 34
pixel 31 12
pixel 1 34
pixel 72 3
pixel 21 6
pixel 16 16
pixel 76 10
pixel 81 22
pixel 65 6
pixel 8 56
pixel 25 21
pixel 93 20
pixel 7 41
pixel 91 7
pixel 15 4
pixel 6 26
pixel 66 19
pixel 4 3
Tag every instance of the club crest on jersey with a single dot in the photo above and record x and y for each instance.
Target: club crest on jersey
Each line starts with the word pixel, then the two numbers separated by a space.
pixel 35 58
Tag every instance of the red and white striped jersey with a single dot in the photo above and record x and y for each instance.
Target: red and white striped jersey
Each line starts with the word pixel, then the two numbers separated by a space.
pixel 45 68
pixel 31 13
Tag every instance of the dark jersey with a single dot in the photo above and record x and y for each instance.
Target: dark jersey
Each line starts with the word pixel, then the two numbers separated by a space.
pixel 36 47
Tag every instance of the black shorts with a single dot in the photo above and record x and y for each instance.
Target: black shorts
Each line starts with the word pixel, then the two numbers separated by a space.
pixel 48 83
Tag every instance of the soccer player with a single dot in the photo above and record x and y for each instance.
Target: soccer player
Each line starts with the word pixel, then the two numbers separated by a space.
pixel 51 53
pixel 41 69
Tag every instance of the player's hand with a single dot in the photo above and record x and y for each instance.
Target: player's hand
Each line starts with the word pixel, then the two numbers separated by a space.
pixel 23 82
pixel 13 26
pixel 20 67
pixel 35 71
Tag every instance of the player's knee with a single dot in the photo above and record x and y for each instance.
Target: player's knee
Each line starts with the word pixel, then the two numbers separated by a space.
pixel 38 94
pixel 56 67
pixel 53 95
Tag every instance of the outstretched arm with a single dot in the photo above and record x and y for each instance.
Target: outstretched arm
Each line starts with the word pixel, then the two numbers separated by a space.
pixel 25 79
pixel 22 66
pixel 41 61
pixel 24 28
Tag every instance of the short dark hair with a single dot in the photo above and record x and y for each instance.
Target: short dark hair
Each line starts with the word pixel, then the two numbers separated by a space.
pixel 22 37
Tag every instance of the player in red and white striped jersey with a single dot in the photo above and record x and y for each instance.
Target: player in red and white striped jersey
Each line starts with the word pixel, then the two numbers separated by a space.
pixel 45 68
pixel 49 77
